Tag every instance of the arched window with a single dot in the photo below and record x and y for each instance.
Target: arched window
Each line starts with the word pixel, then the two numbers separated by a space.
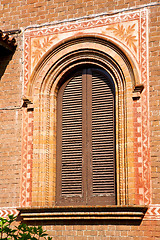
pixel 82 133
pixel 86 172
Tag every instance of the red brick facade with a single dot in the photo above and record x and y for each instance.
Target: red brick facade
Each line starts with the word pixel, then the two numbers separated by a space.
pixel 29 80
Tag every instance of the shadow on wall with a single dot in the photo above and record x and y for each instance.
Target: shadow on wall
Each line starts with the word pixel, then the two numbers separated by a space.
pixel 5 58
pixel 70 222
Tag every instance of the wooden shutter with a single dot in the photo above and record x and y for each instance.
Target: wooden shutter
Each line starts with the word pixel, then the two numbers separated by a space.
pixel 86 140
pixel 72 138
pixel 102 162
pixel 69 142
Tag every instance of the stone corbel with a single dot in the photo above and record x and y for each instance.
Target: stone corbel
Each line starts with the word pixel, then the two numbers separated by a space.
pixel 7 43
pixel 137 91
pixel 27 103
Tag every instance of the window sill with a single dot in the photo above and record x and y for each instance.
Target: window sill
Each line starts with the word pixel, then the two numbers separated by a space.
pixel 84 212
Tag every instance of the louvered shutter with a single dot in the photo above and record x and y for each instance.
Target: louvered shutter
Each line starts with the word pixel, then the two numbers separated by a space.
pixel 86 140
pixel 102 163
pixel 69 142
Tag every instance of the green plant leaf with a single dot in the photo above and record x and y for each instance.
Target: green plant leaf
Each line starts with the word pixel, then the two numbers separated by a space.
pixel 20 232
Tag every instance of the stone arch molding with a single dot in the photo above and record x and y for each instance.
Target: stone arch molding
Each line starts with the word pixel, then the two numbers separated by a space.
pixel 42 92
pixel 71 46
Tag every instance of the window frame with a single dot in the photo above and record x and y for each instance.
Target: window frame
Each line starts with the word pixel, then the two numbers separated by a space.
pixel 99 52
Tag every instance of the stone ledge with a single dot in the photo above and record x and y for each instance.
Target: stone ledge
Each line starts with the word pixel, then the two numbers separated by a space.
pixel 84 212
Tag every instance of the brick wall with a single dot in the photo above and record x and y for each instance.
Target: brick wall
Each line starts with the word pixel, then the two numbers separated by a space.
pixel 18 14
pixel 149 230
pixel 10 126
pixel 154 77
pixel 21 14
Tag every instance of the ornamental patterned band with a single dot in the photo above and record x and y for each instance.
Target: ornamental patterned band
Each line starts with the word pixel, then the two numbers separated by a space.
pixel 128 31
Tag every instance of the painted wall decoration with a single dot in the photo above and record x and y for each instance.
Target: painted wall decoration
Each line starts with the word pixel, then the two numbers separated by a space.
pixel 123 29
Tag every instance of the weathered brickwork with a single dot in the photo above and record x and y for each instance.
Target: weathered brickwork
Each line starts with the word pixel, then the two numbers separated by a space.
pixel 149 230
pixel 29 12
pixel 21 183
pixel 10 126
pixel 154 73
